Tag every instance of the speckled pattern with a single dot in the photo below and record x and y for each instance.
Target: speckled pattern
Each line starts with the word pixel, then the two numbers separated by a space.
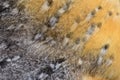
pixel 59 39
pixel 22 56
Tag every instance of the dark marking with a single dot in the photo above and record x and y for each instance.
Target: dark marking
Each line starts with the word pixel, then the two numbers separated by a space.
pixel 93 12
pixel 2 8
pixel 111 57
pixel 69 35
pixel 106 46
pixel 50 2
pixel 78 20
pixel 3 63
pixel 99 7
pixel 117 13
pixel 48 70
pixel 110 13
pixel 60 60
pixel 77 41
pixel 99 24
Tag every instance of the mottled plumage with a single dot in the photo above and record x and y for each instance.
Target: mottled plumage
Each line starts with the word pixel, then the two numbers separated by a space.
pixel 89 27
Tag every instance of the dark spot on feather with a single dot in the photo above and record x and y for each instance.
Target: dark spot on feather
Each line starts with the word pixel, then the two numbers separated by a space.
pixel 50 2
pixel 99 24
pixel 106 46
pixel 3 63
pixel 77 41
pixel 99 7
pixel 93 12
pixel 110 13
